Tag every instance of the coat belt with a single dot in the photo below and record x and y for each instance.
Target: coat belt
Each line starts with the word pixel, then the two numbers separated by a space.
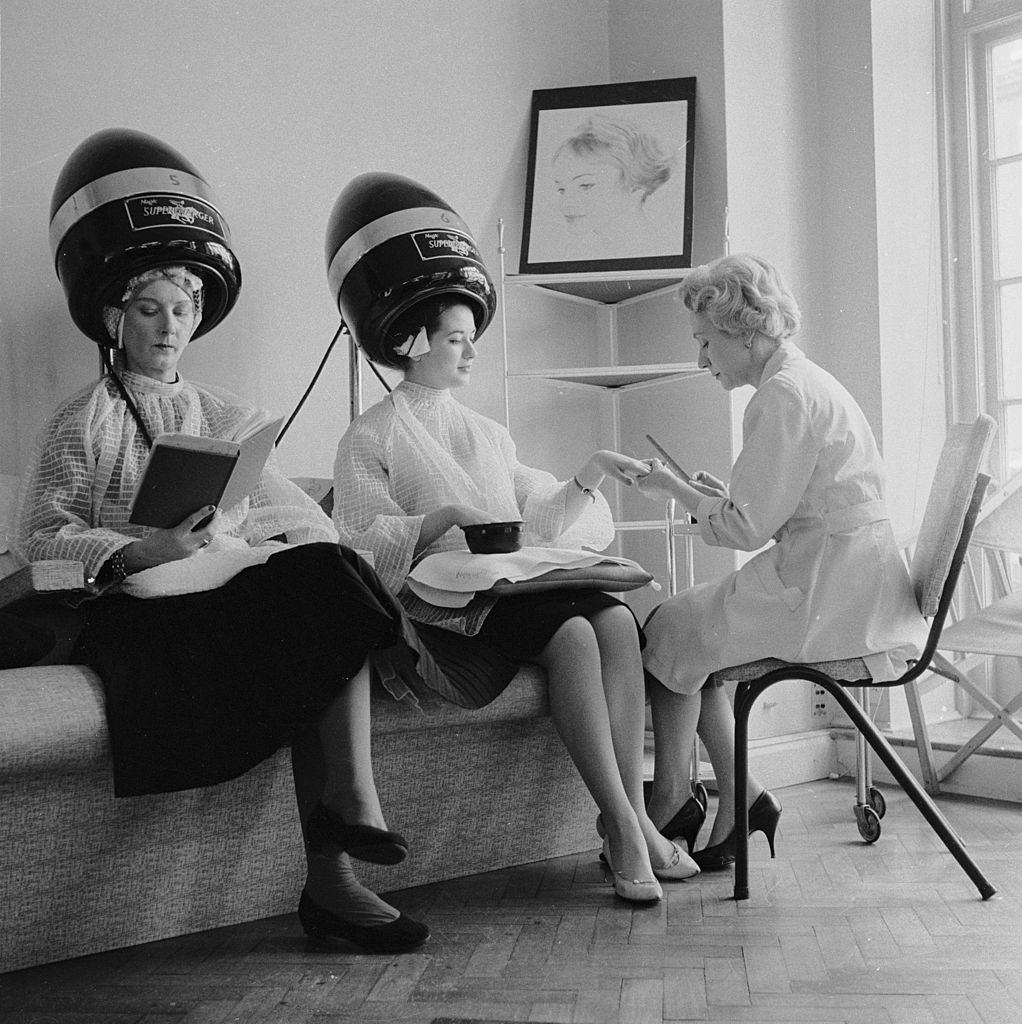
pixel 849 518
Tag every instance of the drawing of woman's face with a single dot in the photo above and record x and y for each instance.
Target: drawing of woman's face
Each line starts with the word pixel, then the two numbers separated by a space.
pixel 591 195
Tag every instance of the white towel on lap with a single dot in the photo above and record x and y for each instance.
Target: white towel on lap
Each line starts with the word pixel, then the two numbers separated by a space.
pixel 451 578
pixel 210 567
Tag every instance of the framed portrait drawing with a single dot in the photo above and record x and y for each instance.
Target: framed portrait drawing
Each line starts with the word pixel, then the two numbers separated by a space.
pixel 609 184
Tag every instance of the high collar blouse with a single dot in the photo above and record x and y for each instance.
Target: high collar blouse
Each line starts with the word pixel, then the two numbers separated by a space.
pixel 420 449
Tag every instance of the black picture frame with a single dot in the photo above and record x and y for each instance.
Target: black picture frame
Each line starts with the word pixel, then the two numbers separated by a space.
pixel 609 185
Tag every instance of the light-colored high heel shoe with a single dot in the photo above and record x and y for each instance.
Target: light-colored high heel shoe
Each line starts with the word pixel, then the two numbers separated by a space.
pixel 635 890
pixel 679 867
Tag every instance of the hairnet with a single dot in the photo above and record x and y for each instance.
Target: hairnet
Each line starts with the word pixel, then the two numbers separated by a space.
pixel 188 282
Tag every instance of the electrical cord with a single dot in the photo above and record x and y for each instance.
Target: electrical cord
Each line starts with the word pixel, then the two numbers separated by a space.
pixel 342 329
pixel 312 383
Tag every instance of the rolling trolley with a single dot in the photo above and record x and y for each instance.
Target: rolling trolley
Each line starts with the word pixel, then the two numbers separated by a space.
pixel 698 789
pixel 870 805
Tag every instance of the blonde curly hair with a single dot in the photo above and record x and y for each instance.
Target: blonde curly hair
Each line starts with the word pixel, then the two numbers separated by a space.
pixel 742 294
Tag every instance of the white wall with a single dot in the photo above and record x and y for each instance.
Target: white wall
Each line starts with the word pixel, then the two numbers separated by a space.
pixel 668 39
pixel 908 250
pixel 278 104
pixel 814 124
pixel 816 131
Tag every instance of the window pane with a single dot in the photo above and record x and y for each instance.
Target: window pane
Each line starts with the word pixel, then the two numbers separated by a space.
pixel 1012 439
pixel 1009 329
pixel 1009 219
pixel 1006 75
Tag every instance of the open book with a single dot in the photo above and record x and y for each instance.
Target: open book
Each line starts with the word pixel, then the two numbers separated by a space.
pixel 185 473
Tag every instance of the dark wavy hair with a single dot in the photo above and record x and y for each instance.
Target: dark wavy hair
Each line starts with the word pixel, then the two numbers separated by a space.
pixel 426 313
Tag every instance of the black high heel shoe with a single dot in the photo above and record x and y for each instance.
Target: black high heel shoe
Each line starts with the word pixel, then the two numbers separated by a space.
pixel 326 832
pixel 764 814
pixel 686 823
pixel 718 857
pixel 399 936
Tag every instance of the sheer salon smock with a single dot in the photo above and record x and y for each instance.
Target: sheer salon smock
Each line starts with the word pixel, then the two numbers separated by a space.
pixel 202 686
pixel 417 450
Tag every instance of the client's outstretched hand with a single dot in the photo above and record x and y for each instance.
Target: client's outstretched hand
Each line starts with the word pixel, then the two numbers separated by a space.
pixel 619 467
pixel 659 482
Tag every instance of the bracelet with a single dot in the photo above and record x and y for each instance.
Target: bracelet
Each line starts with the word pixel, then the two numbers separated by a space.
pixel 117 566
pixel 588 491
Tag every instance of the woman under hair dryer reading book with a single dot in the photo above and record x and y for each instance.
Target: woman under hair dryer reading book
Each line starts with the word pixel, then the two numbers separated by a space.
pixel 210 662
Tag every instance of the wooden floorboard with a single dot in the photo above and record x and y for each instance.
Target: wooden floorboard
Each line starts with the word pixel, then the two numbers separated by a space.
pixel 835 932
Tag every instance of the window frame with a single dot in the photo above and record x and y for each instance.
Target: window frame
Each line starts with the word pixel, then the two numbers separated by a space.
pixel 968 28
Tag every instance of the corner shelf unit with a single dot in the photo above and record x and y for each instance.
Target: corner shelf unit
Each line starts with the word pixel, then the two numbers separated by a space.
pixel 579 343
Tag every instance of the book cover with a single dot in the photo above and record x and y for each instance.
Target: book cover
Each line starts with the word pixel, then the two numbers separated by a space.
pixel 186 473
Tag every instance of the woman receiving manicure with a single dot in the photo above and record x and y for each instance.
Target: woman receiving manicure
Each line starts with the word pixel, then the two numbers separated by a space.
pixel 419 464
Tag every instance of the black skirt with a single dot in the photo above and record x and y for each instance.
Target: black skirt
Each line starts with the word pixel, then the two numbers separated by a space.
pixel 473 670
pixel 202 687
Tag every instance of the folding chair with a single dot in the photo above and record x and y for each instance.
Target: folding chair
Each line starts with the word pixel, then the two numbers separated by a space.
pixel 993 630
pixel 944 535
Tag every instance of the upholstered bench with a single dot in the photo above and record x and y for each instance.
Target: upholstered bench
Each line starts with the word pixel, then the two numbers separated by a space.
pixel 81 871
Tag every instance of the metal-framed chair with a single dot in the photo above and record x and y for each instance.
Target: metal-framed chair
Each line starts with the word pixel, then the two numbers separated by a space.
pixel 944 535
pixel 992 629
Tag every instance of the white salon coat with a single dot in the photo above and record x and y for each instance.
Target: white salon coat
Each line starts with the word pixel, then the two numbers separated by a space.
pixel 833 585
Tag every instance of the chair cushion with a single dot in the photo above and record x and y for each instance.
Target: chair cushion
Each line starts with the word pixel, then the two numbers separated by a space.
pixel 847 670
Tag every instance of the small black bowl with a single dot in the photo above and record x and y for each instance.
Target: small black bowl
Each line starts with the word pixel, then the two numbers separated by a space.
pixel 493 538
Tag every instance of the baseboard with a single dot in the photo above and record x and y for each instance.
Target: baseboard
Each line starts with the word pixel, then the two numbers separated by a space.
pixel 991 776
pixel 779 761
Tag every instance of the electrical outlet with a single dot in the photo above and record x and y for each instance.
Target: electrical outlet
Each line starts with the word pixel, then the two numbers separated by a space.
pixel 819 702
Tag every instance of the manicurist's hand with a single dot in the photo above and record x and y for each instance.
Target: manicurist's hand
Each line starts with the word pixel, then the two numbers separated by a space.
pixel 181 541
pixel 709 484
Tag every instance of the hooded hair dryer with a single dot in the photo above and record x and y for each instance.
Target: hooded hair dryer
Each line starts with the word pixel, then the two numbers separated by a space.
pixel 126 203
pixel 391 243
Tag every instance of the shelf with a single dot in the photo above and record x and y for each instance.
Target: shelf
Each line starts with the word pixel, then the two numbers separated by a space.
pixel 615 377
pixel 605 286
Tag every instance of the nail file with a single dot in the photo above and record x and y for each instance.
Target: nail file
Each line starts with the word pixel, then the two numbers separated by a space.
pixel 667 458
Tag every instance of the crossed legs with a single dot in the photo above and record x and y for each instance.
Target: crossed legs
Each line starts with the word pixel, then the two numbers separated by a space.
pixel 331 763
pixel 597 701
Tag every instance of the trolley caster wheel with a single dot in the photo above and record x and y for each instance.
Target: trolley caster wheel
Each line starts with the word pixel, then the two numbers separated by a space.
pixel 868 821
pixel 699 792
pixel 876 800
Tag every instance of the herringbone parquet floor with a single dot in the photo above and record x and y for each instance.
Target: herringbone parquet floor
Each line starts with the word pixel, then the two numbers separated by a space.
pixel 836 931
